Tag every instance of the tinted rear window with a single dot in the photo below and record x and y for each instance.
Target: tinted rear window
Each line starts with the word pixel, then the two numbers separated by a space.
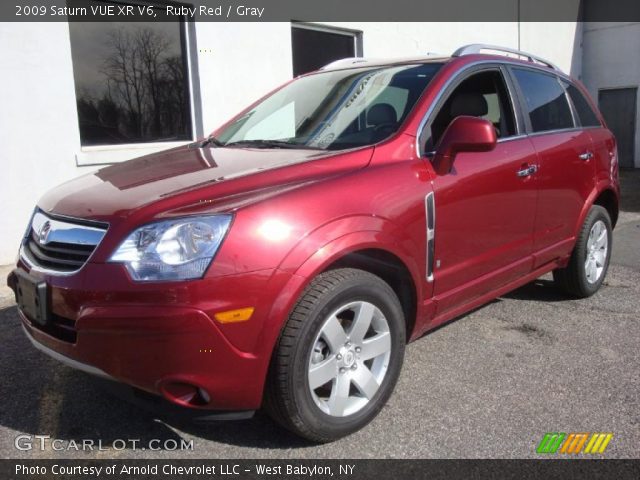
pixel 587 116
pixel 547 103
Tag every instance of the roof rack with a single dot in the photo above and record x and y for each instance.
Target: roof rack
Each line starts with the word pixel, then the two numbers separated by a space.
pixel 344 62
pixel 351 61
pixel 478 47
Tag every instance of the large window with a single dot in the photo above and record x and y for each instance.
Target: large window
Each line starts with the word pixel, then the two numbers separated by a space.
pixel 333 110
pixel 546 100
pixel 131 81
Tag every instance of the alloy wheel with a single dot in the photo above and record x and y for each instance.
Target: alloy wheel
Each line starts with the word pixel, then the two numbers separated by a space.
pixel 597 246
pixel 349 358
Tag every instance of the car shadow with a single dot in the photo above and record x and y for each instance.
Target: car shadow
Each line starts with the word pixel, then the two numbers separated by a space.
pixel 43 397
pixel 540 290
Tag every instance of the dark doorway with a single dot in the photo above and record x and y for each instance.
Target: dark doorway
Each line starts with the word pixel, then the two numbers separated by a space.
pixel 618 106
pixel 314 48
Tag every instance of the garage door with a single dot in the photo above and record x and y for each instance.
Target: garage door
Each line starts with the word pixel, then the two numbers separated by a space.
pixel 618 105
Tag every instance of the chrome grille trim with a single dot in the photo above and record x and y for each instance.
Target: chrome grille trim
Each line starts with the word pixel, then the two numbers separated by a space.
pixel 76 233
pixel 60 246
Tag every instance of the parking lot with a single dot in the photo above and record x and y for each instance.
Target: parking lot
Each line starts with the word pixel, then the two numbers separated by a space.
pixel 489 384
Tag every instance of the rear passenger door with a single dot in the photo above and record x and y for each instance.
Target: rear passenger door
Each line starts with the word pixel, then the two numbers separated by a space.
pixel 566 165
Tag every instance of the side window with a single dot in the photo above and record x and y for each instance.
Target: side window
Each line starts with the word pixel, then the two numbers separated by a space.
pixel 547 103
pixel 587 116
pixel 482 95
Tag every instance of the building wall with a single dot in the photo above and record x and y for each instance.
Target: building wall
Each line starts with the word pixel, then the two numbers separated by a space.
pixel 611 61
pixel 558 42
pixel 39 134
pixel 237 63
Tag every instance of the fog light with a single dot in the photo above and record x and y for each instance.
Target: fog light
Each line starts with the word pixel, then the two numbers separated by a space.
pixel 185 394
pixel 204 395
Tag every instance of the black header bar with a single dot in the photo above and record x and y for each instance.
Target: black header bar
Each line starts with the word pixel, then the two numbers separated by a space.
pixel 321 10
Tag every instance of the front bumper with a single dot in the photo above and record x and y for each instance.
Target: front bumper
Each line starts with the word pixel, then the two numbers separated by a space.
pixel 153 403
pixel 161 337
pixel 70 362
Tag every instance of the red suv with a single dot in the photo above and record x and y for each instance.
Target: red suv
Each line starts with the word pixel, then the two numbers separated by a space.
pixel 285 261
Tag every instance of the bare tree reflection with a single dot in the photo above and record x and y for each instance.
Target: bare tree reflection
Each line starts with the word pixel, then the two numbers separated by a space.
pixel 144 96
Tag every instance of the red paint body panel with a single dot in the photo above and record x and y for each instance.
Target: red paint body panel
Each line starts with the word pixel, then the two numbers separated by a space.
pixel 494 231
pixel 472 204
pixel 564 184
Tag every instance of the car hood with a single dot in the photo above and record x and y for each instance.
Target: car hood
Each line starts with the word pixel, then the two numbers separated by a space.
pixel 184 176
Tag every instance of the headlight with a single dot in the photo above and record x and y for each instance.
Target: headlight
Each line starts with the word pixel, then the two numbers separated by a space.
pixel 179 249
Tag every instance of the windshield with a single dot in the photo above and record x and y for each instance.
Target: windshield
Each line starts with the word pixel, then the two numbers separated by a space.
pixel 333 110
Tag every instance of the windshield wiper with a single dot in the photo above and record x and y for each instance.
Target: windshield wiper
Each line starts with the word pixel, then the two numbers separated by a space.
pixel 269 144
pixel 210 140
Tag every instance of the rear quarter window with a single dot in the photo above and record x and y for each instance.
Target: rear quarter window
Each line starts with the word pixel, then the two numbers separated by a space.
pixel 546 102
pixel 587 116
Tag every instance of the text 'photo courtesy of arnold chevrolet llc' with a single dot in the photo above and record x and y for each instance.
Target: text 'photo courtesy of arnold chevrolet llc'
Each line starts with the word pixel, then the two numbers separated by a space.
pixel 234 231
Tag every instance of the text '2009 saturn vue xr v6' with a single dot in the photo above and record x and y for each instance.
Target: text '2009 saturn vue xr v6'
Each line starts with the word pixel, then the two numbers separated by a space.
pixel 285 261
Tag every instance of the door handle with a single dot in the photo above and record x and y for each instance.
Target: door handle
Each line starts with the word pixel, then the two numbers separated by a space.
pixel 586 156
pixel 527 171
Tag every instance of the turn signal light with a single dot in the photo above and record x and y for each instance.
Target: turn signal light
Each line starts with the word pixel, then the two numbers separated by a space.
pixel 233 316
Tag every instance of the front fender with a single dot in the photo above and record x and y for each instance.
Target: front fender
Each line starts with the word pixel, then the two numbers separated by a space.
pixel 313 253
pixel 316 252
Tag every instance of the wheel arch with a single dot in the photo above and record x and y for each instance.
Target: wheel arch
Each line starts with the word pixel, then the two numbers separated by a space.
pixel 390 268
pixel 609 201
pixel 353 248
pixel 605 196
pixel 375 251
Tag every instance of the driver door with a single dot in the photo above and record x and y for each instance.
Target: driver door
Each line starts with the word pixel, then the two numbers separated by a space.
pixel 486 206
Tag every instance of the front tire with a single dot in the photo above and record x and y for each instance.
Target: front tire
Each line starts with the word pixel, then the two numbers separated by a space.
pixel 338 357
pixel 590 258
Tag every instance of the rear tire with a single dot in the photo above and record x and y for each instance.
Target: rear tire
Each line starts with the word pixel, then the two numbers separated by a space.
pixel 589 261
pixel 338 357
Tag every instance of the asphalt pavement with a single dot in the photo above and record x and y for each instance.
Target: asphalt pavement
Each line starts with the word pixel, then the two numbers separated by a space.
pixel 487 385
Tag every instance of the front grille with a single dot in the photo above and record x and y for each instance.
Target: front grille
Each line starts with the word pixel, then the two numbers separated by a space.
pixel 60 245
pixel 59 256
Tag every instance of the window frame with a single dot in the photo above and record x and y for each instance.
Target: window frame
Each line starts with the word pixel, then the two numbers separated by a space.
pixel 454 83
pixel 107 154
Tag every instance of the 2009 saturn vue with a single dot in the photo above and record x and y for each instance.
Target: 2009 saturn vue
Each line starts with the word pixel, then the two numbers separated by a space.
pixel 284 261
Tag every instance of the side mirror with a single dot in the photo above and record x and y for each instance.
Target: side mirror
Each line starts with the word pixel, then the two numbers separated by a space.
pixel 464 134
